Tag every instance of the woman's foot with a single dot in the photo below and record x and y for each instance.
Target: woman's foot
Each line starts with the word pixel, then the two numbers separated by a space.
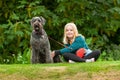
pixel 90 60
pixel 70 61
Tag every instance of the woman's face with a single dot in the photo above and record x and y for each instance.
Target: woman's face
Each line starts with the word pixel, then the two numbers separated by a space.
pixel 69 32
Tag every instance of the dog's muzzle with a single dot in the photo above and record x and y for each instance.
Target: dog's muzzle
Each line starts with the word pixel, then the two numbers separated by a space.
pixel 36 27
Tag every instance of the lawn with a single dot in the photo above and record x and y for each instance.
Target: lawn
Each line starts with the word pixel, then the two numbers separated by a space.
pixel 101 70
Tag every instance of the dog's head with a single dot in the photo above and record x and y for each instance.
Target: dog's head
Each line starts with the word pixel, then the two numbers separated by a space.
pixel 37 23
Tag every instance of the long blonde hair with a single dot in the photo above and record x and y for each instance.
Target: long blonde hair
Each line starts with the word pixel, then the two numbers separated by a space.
pixel 75 30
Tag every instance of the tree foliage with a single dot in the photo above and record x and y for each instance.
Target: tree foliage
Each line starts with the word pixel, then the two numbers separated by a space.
pixel 97 20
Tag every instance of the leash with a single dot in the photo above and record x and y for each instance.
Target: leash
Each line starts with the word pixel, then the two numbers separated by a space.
pixel 56 41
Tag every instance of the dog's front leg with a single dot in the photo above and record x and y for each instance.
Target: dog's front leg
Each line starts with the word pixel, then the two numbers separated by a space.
pixel 48 56
pixel 35 55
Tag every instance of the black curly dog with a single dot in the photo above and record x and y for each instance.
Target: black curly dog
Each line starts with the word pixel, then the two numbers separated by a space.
pixel 39 42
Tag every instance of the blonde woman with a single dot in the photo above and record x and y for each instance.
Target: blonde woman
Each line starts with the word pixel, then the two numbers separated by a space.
pixel 74 41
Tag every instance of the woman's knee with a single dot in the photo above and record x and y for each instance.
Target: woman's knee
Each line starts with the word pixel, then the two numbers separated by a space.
pixel 97 52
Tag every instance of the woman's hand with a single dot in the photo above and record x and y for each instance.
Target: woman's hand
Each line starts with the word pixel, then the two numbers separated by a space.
pixel 53 54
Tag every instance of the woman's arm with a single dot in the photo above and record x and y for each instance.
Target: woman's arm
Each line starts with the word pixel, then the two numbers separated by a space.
pixel 78 43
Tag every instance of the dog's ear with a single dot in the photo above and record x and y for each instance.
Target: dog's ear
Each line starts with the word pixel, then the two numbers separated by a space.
pixel 43 20
pixel 31 21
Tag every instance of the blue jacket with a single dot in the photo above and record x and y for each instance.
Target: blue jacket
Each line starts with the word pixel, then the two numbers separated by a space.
pixel 79 42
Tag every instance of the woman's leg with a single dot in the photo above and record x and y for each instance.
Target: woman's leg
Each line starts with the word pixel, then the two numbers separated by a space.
pixel 94 54
pixel 70 56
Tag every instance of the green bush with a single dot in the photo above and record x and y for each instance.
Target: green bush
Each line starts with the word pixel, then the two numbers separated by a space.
pixel 97 20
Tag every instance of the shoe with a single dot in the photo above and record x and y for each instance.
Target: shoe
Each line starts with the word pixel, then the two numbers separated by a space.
pixel 93 59
pixel 90 60
pixel 70 61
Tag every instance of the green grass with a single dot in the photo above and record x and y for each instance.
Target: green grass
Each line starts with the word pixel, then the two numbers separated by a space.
pixel 101 70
